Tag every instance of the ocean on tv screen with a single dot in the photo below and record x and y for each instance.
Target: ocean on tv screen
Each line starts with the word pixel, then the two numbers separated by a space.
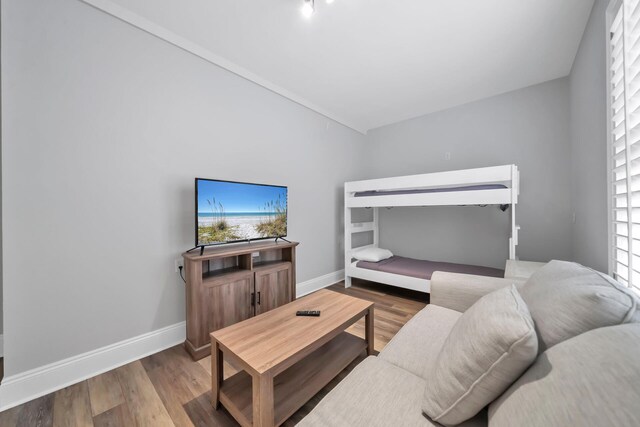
pixel 231 211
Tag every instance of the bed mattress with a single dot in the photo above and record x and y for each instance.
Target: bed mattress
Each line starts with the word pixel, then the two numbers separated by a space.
pixel 431 190
pixel 423 269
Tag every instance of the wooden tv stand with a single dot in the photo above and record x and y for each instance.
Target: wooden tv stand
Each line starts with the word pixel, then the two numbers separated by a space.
pixel 227 284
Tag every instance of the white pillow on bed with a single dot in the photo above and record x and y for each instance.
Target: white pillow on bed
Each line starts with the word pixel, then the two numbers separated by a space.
pixel 372 254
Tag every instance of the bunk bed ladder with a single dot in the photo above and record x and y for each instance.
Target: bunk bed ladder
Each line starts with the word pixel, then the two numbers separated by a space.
pixel 350 228
pixel 347 240
pixel 375 227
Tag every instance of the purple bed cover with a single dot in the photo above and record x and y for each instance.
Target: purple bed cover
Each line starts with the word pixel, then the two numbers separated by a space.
pixel 423 269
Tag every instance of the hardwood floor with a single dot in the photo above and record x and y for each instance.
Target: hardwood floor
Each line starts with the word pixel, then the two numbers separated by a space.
pixel 168 388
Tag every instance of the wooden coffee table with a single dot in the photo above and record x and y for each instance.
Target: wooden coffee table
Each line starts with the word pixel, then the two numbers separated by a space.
pixel 286 359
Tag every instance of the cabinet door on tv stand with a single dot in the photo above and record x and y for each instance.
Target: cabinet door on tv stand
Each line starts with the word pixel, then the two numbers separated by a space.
pixel 273 288
pixel 229 303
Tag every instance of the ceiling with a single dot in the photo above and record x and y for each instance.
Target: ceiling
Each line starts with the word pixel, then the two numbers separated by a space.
pixel 368 63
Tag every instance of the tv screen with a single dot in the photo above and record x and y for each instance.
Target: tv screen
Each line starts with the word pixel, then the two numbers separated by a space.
pixel 229 211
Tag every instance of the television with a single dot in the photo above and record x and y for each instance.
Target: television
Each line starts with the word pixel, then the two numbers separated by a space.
pixel 228 211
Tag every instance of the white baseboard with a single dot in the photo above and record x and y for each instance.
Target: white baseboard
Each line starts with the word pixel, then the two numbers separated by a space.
pixel 304 288
pixel 29 385
pixel 37 382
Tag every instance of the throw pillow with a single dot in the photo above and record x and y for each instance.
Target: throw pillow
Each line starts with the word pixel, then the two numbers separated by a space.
pixel 489 347
pixel 372 254
pixel 588 380
pixel 567 299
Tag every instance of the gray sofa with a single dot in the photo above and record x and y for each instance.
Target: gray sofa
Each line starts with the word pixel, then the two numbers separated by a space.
pixel 587 371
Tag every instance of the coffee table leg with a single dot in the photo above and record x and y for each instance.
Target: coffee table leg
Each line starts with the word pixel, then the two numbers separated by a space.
pixel 368 320
pixel 263 415
pixel 216 373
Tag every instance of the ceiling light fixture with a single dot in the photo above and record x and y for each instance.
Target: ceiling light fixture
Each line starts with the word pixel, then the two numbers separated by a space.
pixel 329 1
pixel 307 8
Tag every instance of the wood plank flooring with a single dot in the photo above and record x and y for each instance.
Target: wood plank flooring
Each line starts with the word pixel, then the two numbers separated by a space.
pixel 169 389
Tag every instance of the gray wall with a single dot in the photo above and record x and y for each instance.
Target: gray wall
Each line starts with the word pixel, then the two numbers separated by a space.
pixel 555 132
pixel 588 143
pixel 105 128
pixel 528 127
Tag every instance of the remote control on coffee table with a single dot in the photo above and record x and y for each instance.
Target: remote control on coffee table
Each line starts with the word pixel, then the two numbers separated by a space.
pixel 310 313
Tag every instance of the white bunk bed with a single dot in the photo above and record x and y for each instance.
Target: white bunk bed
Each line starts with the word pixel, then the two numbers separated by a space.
pixel 497 185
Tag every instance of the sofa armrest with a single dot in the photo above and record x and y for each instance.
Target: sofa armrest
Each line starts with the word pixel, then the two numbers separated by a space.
pixel 516 269
pixel 460 291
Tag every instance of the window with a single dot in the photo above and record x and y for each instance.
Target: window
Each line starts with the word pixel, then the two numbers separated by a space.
pixel 624 140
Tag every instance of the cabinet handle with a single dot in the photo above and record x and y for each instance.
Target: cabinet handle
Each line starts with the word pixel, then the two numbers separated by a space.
pixel 258 297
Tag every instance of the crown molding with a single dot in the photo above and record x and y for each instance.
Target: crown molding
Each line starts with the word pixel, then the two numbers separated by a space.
pixel 180 42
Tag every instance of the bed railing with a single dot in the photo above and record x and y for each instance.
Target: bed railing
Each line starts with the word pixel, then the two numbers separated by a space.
pixel 506 175
pixel 477 176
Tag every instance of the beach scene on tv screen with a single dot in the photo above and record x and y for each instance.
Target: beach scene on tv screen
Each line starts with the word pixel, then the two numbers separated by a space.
pixel 229 211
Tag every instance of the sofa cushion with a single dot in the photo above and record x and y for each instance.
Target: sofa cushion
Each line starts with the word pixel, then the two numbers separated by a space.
pixel 566 299
pixel 591 379
pixel 375 393
pixel 489 347
pixel 460 291
pixel 416 346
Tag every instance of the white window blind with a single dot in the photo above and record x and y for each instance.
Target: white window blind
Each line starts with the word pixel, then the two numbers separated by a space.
pixel 624 73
